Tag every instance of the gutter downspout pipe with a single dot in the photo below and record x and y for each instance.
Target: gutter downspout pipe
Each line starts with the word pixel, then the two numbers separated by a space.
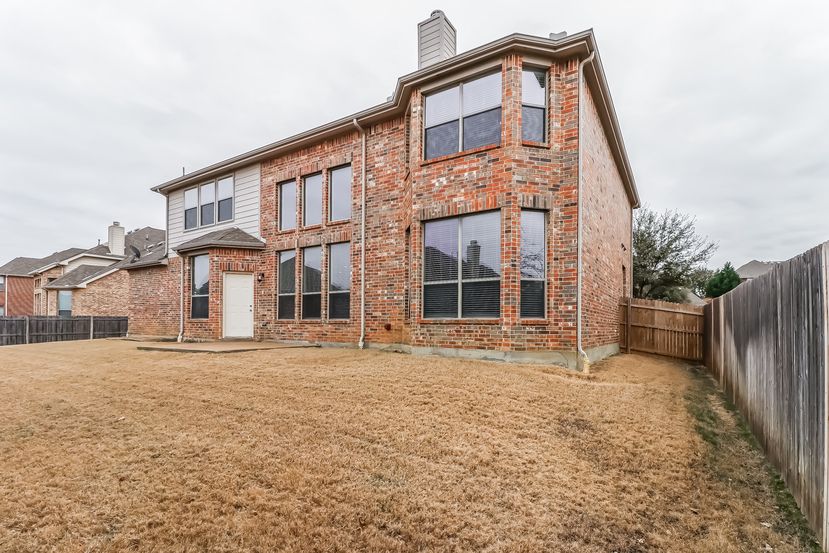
pixel 181 304
pixel 583 361
pixel 362 343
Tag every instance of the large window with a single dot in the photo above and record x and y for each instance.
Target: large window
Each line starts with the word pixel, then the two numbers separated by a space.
pixel 312 200
pixel 287 205
pixel 200 289
pixel 311 282
pixel 286 291
pixel 462 267
pixel 209 203
pixel 339 194
pixel 463 117
pixel 339 281
pixel 533 264
pixel 533 105
pixel 65 303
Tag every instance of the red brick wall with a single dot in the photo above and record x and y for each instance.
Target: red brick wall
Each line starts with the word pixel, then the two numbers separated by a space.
pixel 20 296
pixel 107 296
pixel 154 300
pixel 607 234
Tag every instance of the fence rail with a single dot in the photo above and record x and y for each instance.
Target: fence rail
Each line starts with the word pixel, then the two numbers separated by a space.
pixel 36 330
pixel 766 344
pixel 661 327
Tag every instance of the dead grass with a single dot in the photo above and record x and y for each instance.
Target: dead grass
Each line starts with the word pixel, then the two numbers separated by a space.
pixel 105 448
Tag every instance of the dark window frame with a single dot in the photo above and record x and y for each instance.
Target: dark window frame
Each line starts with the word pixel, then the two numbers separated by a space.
pixel 279 215
pixel 215 203
pixel 303 293
pixel 330 185
pixel 543 278
pixel 289 294
pixel 462 116
pixel 544 108
pixel 321 175
pixel 459 279
pixel 346 292
pixel 193 285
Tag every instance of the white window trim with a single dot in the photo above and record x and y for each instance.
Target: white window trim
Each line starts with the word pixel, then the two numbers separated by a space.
pixel 350 283
pixel 303 293
pixel 216 221
pixel 331 196
pixel 305 203
pixel 192 295
pixel 285 294
pixel 279 221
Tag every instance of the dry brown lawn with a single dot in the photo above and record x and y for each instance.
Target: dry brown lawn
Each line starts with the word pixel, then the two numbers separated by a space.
pixel 106 448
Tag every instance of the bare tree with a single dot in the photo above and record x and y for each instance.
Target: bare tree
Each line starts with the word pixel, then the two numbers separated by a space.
pixel 668 254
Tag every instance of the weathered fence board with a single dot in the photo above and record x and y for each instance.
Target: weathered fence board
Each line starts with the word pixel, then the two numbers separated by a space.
pixel 36 330
pixel 766 343
pixel 661 327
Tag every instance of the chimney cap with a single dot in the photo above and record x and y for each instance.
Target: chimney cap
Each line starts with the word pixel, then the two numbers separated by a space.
pixel 115 223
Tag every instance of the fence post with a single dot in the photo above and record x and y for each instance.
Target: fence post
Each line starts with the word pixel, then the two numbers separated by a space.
pixel 627 324
pixel 91 327
pixel 824 258
pixel 27 329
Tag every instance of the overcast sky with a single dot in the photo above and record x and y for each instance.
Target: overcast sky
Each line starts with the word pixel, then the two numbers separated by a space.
pixel 724 106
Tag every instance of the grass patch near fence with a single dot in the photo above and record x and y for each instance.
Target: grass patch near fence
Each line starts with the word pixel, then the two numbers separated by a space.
pixel 722 427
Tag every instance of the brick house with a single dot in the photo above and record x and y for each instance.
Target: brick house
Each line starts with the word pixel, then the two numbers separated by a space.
pixel 484 210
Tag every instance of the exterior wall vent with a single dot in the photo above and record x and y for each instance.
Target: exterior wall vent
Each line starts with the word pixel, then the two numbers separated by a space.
pixel 436 40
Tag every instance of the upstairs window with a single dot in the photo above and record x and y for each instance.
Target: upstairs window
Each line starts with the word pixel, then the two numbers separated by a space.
pixel 200 287
pixel 311 282
pixel 286 291
pixel 463 117
pixel 209 203
pixel 287 205
pixel 191 208
pixel 533 105
pixel 462 267
pixel 312 200
pixel 339 281
pixel 65 303
pixel 339 194
pixel 2 283
pixel 533 264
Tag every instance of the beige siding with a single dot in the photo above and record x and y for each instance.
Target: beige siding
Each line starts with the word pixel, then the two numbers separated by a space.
pixel 96 261
pixel 245 209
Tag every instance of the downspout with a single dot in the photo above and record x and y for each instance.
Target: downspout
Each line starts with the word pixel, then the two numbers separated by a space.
pixel 583 362
pixel 362 342
pixel 181 303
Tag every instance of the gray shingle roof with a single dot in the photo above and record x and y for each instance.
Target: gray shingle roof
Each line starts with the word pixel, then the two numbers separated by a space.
pixel 20 266
pixel 225 238
pixel 57 257
pixel 755 268
pixel 154 258
pixel 78 276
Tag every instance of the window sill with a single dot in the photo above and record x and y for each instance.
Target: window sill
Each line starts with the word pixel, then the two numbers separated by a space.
pixel 533 144
pixel 422 321
pixel 533 322
pixel 447 157
pixel 338 223
pixel 317 226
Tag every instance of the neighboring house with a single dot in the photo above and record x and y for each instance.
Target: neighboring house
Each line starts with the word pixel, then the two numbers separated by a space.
pixel 692 298
pixel 454 216
pixel 92 282
pixel 17 287
pixel 754 268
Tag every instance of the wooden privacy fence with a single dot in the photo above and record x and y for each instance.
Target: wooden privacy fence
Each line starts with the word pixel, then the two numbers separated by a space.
pixel 766 344
pixel 651 326
pixel 36 330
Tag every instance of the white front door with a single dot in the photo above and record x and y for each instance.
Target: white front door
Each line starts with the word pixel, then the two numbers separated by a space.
pixel 238 305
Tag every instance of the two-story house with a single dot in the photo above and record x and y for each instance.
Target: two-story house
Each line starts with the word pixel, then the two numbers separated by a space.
pixel 483 210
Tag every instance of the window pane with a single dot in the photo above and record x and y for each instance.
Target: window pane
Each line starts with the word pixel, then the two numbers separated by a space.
pixel 442 140
pixel 207 214
pixel 339 267
pixel 225 187
pixel 532 123
pixel 311 306
pixel 65 300
pixel 312 269
pixel 533 86
pixel 440 301
pixel 532 298
pixel 287 205
pixel 442 106
pixel 287 272
pixel 207 193
pixel 191 218
pixel 481 245
pixel 199 307
pixel 339 305
pixel 191 198
pixel 483 129
pixel 482 94
pixel 441 250
pixel 340 194
pixel 532 244
pixel 312 206
pixel 481 299
pixel 200 275
pixel 285 309
pixel 225 209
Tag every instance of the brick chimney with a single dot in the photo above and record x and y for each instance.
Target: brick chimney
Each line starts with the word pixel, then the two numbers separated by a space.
pixel 436 40
pixel 115 239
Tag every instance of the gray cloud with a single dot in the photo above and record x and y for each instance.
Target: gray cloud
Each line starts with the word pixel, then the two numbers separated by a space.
pixel 723 105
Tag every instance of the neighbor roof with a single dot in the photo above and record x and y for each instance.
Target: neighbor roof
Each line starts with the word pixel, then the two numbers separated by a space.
pixel 20 266
pixel 154 258
pixel 56 258
pixel 79 276
pixel 580 44
pixel 755 268
pixel 225 238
